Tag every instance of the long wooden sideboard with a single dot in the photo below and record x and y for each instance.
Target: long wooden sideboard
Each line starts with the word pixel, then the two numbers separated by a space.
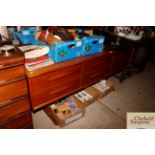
pixel 56 81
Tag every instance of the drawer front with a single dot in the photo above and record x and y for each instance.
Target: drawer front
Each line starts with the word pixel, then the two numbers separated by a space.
pixel 66 81
pixel 66 89
pixel 15 108
pixel 51 94
pixel 92 78
pixel 21 121
pixel 14 60
pixel 50 80
pixel 94 75
pixel 98 63
pixel 12 74
pixel 12 91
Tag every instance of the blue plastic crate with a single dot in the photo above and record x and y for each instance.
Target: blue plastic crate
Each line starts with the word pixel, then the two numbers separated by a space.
pixel 26 36
pixel 61 51
pixel 92 45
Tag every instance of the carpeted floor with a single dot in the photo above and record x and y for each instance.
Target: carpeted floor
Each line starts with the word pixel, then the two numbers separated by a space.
pixel 135 94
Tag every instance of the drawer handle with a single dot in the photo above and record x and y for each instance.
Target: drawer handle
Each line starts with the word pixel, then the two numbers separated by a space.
pixel 62 88
pixel 12 101
pixel 13 80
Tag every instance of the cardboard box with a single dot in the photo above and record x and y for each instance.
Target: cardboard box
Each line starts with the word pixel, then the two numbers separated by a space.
pixel 104 87
pixel 85 99
pixel 63 120
pixel 94 93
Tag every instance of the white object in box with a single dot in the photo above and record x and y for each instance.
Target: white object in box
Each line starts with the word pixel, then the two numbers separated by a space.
pixel 25 32
pixel 83 96
pixel 39 65
pixel 77 111
pixel 101 86
pixel 101 41
pixel 73 118
pixel 32 51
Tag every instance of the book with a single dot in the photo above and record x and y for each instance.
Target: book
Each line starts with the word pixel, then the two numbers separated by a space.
pixel 101 86
pixel 39 65
pixel 36 60
pixel 28 48
pixel 34 51
pixel 74 107
pixel 63 110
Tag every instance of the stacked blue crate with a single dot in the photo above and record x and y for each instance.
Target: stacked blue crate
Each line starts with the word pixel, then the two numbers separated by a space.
pixel 92 45
pixel 61 51
pixel 25 36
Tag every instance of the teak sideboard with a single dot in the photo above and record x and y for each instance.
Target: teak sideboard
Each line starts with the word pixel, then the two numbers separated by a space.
pixel 48 84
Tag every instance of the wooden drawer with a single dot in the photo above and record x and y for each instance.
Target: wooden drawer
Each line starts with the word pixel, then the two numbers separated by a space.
pixel 14 108
pixel 19 122
pixel 52 79
pixel 66 81
pixel 98 63
pixel 93 77
pixel 12 91
pixel 96 69
pixel 52 94
pixel 12 74
pixel 13 60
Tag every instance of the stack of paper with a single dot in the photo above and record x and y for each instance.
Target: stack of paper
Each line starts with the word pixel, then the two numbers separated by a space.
pixel 36 56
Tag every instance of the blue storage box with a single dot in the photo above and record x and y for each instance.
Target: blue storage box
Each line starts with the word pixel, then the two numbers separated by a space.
pixel 92 45
pixel 61 51
pixel 26 36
